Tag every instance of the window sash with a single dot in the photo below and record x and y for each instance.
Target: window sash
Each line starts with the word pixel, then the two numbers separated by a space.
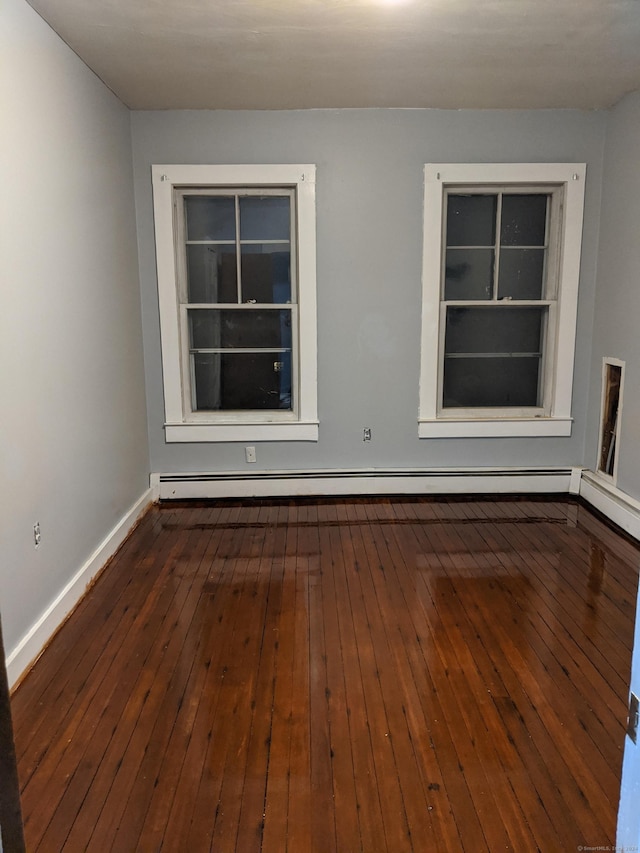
pixel 549 290
pixel 547 353
pixel 241 415
pixel 237 193
pixel 185 307
pixel 549 247
pixel 555 193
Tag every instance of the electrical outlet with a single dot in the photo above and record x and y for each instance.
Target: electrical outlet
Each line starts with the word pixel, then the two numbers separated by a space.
pixel 250 454
pixel 366 434
pixel 37 536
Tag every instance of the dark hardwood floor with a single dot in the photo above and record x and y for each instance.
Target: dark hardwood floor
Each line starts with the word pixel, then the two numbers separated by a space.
pixel 338 675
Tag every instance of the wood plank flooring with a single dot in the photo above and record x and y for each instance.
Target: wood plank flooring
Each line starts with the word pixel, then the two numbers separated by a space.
pixel 342 675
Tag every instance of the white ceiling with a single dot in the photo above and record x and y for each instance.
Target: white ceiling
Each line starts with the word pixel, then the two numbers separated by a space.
pixel 294 54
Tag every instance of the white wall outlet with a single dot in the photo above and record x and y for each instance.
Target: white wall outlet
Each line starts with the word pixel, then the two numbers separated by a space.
pixel 250 454
pixel 37 535
pixel 366 434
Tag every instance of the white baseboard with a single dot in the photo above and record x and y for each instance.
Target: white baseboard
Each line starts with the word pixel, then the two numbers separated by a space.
pixel 154 486
pixel 31 645
pixel 238 484
pixel 617 506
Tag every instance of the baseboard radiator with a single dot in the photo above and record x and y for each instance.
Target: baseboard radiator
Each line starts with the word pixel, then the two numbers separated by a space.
pixel 323 482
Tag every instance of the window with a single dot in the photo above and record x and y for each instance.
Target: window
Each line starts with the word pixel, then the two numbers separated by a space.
pixel 500 283
pixel 235 249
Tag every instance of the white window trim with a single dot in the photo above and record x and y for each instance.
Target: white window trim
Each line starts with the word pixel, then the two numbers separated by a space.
pixel 178 426
pixel 437 176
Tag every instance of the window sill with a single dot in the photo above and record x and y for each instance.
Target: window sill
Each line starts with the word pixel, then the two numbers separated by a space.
pixel 495 428
pixel 209 432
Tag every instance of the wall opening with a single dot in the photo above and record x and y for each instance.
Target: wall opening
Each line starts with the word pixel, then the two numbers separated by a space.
pixel 612 380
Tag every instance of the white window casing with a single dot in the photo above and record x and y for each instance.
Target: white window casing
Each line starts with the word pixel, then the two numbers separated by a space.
pixel 182 424
pixel 552 418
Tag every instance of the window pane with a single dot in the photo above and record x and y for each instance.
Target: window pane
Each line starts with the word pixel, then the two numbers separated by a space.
pixel 468 274
pixel 211 273
pixel 229 328
pixel 265 218
pixel 210 217
pixel 493 330
pixel 490 382
pixel 521 273
pixel 242 381
pixel 471 220
pixel 266 272
pixel 207 390
pixel 524 220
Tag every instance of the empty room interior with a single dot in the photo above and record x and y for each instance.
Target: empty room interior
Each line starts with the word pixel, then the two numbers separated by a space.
pixel 320 425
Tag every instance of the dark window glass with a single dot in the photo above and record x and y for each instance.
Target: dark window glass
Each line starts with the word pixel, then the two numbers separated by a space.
pixel 210 217
pixel 265 218
pixel 493 330
pixel 524 219
pixel 491 382
pixel 237 328
pixel 521 273
pixel 468 274
pixel 211 273
pixel 266 272
pixel 242 381
pixel 471 220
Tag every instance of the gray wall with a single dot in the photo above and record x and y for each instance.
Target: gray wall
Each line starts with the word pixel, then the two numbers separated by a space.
pixel 616 329
pixel 616 334
pixel 369 215
pixel 73 444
